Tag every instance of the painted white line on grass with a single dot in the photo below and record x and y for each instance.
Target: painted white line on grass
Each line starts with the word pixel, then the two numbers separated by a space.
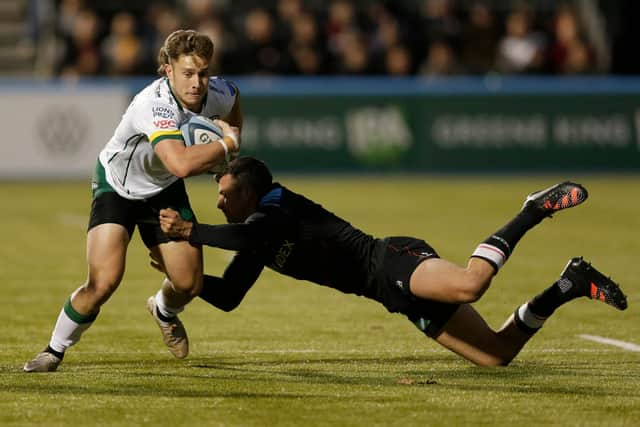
pixel 602 340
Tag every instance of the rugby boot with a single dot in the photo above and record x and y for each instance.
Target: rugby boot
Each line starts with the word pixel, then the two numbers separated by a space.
pixel 555 198
pixel 174 334
pixel 591 283
pixel 43 362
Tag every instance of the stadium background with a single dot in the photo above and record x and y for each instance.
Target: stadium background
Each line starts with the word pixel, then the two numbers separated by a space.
pixel 340 86
pixel 422 154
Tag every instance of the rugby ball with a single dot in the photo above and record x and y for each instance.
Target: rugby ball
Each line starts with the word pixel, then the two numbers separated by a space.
pixel 200 130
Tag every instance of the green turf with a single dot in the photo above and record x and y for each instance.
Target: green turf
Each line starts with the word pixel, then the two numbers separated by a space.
pixel 301 355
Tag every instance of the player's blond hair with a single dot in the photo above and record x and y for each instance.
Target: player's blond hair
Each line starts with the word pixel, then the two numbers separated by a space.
pixel 184 42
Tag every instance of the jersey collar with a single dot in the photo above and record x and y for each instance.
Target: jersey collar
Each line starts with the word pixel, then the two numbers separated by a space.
pixel 273 197
pixel 173 95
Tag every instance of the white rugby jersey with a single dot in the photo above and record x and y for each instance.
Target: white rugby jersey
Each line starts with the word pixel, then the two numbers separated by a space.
pixel 131 166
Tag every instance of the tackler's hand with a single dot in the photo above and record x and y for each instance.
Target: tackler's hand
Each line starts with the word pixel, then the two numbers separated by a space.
pixel 173 225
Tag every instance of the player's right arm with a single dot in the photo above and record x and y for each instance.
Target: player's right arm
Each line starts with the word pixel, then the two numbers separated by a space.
pixel 184 161
pixel 252 234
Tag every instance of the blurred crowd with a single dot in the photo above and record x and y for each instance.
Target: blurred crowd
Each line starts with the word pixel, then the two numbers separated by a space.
pixel 335 37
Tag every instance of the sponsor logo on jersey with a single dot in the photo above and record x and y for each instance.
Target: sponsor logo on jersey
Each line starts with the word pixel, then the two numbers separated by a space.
pixel 163 112
pixel 283 254
pixel 165 124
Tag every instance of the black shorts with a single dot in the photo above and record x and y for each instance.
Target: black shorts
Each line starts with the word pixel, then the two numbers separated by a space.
pixel 109 207
pixel 400 258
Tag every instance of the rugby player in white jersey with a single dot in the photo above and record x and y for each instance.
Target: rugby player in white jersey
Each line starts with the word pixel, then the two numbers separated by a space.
pixel 141 171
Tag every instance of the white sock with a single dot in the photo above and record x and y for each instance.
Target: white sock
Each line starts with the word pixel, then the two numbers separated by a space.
pixel 529 318
pixel 163 309
pixel 67 332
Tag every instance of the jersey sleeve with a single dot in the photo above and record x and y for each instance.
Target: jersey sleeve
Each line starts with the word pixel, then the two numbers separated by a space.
pixel 257 231
pixel 157 120
pixel 228 291
pixel 221 97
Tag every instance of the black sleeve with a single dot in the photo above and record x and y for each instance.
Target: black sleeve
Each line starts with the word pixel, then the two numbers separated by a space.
pixel 227 292
pixel 249 235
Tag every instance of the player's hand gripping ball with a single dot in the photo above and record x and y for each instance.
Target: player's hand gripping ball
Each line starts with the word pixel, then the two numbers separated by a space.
pixel 200 130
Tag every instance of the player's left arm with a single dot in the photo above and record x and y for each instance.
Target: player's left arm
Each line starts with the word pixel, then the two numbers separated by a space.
pixel 228 291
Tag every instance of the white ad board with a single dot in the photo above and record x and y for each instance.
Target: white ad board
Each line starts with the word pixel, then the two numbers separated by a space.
pixel 57 132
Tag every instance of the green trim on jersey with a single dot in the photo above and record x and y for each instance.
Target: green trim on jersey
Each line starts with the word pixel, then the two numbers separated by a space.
pixel 175 98
pixel 159 136
pixel 77 317
pixel 99 184
pixel 186 213
pixel 175 197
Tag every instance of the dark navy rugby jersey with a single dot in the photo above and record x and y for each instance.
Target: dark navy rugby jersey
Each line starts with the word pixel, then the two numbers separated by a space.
pixel 296 237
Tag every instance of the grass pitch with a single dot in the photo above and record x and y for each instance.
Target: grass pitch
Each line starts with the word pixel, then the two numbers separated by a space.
pixel 296 354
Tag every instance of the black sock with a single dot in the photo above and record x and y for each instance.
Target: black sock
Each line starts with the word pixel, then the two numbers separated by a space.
pixel 511 233
pixel 58 354
pixel 497 248
pixel 546 302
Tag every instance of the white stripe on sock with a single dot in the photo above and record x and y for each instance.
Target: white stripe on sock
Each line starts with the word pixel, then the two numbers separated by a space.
pixel 529 318
pixel 490 253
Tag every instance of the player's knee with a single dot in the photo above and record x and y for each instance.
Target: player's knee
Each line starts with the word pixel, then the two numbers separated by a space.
pixel 188 285
pixel 474 287
pixel 470 293
pixel 187 288
pixel 101 288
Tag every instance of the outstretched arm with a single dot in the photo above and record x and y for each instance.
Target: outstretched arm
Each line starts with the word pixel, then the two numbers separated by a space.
pixel 249 235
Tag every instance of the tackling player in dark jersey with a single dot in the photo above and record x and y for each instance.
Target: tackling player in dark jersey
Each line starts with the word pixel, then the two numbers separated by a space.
pixel 272 226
